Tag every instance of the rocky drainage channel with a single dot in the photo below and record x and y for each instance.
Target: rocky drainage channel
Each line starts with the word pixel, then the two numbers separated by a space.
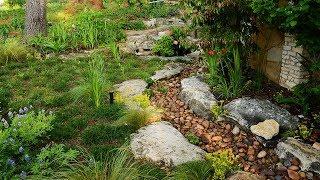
pixel 250 128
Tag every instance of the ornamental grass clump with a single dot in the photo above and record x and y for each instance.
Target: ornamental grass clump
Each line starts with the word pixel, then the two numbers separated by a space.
pixel 13 50
pixel 121 165
pixel 95 83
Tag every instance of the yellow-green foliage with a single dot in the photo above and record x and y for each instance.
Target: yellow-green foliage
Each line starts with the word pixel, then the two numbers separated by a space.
pixel 13 50
pixel 223 162
pixel 143 100
pixel 140 117
pixel 218 110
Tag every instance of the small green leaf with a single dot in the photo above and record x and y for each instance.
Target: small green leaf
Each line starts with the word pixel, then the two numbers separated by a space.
pixel 293 23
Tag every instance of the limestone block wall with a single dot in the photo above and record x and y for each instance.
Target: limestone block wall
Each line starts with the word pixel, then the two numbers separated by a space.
pixel 292 72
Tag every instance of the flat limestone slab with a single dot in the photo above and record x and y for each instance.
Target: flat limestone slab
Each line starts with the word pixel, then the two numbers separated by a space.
pixel 162 144
pixel 168 71
pixel 131 88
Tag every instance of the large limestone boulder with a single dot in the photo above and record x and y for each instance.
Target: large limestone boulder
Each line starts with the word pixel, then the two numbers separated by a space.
pixel 169 70
pixel 196 94
pixel 266 129
pixel 129 89
pixel 161 143
pixel 309 157
pixel 241 175
pixel 248 112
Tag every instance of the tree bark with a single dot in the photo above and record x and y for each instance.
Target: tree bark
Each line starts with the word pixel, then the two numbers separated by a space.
pixel 35 22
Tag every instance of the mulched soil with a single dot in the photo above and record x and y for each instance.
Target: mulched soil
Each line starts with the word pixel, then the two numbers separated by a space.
pixel 252 155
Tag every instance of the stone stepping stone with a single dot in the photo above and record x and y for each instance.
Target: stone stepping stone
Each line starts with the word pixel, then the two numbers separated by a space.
pixel 131 88
pixel 169 71
pixel 173 58
pixel 162 144
pixel 196 94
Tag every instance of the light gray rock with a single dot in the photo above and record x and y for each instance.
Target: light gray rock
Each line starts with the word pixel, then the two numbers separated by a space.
pixel 131 88
pixel 241 175
pixel 161 143
pixel 151 23
pixel 309 157
pixel 174 58
pixel 196 94
pixel 169 70
pixel 248 111
pixel 235 130
pixel 266 129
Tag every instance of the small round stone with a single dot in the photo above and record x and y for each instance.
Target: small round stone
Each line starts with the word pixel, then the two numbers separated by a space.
pixel 261 154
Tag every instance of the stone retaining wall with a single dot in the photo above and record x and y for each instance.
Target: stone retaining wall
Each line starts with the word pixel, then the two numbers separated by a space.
pixel 292 72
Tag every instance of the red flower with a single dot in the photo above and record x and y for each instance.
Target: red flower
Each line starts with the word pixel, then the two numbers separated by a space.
pixel 212 52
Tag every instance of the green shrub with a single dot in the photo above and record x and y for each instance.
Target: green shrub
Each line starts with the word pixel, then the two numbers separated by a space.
pixel 106 133
pixel 194 170
pixel 164 46
pixel 19 139
pixel 192 138
pixel 53 158
pixel 223 162
pixel 13 50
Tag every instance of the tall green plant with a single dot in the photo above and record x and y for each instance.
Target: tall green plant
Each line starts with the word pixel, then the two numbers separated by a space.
pixel 95 83
pixel 116 55
pixel 228 80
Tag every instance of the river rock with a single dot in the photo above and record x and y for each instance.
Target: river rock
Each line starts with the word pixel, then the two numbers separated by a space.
pixel 308 156
pixel 266 129
pixel 196 94
pixel 162 144
pixel 169 70
pixel 248 112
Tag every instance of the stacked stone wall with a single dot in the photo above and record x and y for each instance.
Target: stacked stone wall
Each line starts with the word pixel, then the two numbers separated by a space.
pixel 292 72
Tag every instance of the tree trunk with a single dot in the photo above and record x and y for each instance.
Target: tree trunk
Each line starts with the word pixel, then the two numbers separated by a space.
pixel 35 17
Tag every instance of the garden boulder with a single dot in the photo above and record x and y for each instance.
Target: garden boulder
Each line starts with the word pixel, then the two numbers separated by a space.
pixel 309 157
pixel 169 70
pixel 248 112
pixel 196 94
pixel 131 88
pixel 162 144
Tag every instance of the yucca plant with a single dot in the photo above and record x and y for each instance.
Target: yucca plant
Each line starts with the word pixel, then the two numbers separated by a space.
pixel 95 83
